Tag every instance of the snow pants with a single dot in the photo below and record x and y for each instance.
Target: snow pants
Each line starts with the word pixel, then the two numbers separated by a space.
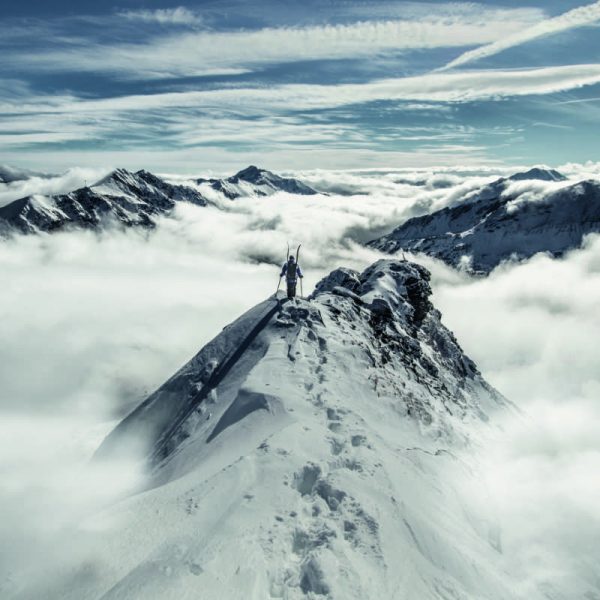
pixel 291 288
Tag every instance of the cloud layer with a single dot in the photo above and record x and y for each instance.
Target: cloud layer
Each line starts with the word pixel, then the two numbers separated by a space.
pixel 210 52
pixel 531 330
pixel 578 17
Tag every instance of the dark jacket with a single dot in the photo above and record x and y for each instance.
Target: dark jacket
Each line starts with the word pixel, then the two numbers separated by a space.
pixel 293 273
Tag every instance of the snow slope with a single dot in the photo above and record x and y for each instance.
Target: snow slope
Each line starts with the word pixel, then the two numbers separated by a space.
pixel 128 199
pixel 504 220
pixel 253 181
pixel 314 449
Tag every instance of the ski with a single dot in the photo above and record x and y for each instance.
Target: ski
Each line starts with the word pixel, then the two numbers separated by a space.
pixel 297 263
pixel 286 258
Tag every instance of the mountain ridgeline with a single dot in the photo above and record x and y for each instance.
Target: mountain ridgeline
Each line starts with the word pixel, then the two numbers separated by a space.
pixel 123 198
pixel 131 199
pixel 503 221
pixel 383 314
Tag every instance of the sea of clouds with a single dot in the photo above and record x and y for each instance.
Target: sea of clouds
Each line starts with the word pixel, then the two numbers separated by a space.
pixel 91 323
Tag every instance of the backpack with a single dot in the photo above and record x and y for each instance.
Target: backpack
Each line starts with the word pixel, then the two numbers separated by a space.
pixel 291 271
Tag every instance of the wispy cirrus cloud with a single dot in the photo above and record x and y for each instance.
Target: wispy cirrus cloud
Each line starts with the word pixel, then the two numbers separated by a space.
pixel 227 52
pixel 578 17
pixel 164 16
pixel 294 122
pixel 454 87
pixel 336 76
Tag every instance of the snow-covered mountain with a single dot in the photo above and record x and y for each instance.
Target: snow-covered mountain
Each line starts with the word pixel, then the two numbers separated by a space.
pixel 311 450
pixel 133 199
pixel 538 173
pixel 122 197
pixel 502 221
pixel 253 181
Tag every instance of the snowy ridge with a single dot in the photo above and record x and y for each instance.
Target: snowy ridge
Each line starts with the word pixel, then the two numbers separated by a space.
pixel 503 221
pixel 125 198
pixel 309 451
pixel 253 181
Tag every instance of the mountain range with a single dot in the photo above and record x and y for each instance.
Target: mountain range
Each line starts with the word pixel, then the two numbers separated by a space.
pixel 511 218
pixel 502 221
pixel 132 199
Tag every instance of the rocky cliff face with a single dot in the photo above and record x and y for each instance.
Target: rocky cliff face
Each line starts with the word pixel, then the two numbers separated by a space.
pixel 311 450
pixel 501 222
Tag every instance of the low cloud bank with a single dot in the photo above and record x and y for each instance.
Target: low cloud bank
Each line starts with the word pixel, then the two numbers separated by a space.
pixel 51 184
pixel 532 330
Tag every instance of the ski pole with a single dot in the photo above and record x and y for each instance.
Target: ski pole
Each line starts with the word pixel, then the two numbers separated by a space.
pixel 301 290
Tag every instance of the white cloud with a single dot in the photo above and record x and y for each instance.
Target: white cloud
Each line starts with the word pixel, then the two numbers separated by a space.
pixel 578 17
pixel 434 87
pixel 532 329
pixel 59 184
pixel 206 52
pixel 165 16
pixel 588 170
pixel 530 191
pixel 220 160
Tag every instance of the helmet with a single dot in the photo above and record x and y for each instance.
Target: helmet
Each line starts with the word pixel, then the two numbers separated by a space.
pixel 292 259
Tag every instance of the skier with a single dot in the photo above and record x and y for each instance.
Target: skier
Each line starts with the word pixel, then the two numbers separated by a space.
pixel 291 270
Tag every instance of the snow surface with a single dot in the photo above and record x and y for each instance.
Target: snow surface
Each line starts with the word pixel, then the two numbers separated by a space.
pixel 314 449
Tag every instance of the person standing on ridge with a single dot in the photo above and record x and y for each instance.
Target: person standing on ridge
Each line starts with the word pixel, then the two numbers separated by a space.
pixel 291 270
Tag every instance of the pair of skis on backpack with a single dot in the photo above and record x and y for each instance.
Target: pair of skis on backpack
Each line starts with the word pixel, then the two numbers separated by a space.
pixel 288 256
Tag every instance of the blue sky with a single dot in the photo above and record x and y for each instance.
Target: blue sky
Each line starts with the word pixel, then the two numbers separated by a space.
pixel 286 84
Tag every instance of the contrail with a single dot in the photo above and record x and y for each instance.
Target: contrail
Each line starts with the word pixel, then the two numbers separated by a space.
pixel 578 17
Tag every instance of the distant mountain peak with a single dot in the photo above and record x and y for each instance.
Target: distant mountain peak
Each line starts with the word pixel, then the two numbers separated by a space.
pixel 251 173
pixel 254 181
pixel 539 173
